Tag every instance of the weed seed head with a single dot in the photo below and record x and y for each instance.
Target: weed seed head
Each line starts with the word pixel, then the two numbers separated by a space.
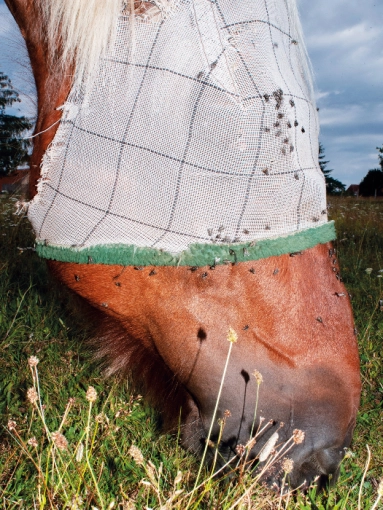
pixel 33 361
pixel 298 436
pixel 240 449
pixel 11 425
pixel 129 505
pixel 91 394
pixel 227 413
pixel 102 419
pixel 32 395
pixel 232 336
pixel 136 454
pixel 33 442
pixel 258 376
pixel 288 465
pixel 60 440
pixel 250 444
pixel 76 503
pixel 348 453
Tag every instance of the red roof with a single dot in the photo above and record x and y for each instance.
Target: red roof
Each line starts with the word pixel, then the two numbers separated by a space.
pixel 353 188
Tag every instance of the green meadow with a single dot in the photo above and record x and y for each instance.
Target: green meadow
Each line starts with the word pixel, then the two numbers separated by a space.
pixel 72 439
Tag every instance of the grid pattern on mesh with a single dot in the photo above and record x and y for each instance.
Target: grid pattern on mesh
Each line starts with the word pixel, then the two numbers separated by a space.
pixel 202 130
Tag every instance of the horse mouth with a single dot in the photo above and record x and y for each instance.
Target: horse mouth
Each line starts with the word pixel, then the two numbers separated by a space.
pixel 281 458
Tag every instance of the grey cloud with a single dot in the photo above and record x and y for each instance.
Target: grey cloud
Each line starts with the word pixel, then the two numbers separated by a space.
pixel 345 44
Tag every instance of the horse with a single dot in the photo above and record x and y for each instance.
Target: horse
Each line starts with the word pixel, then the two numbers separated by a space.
pixel 166 309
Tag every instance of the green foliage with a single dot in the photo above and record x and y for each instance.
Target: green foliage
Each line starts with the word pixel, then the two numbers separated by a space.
pixel 322 163
pixel 13 148
pixel 360 249
pixel 333 186
pixel 372 184
pixel 380 156
pixel 40 318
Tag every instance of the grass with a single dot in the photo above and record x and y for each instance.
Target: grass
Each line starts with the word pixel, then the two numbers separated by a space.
pixel 62 446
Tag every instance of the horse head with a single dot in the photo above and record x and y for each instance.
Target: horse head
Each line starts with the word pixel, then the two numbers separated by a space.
pixel 293 367
pixel 233 317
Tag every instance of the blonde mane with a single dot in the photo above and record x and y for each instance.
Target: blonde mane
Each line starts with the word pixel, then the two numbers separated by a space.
pixel 82 30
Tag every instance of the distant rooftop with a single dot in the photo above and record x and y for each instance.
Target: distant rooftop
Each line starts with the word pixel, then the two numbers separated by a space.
pixel 353 189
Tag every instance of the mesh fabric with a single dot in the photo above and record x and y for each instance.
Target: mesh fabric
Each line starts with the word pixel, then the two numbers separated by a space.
pixel 199 128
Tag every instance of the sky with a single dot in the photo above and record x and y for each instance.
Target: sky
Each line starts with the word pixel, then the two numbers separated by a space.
pixel 14 62
pixel 345 44
pixel 344 39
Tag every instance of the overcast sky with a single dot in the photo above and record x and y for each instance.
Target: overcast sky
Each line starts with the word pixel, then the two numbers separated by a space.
pixel 345 44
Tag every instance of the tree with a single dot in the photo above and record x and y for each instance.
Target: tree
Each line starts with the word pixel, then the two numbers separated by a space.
pixel 333 186
pixel 13 147
pixel 372 183
pixel 380 156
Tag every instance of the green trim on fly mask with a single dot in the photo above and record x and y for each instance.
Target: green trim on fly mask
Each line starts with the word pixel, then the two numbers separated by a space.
pixel 195 255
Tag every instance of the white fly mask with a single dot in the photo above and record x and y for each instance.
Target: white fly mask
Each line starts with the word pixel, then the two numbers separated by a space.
pixel 199 135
